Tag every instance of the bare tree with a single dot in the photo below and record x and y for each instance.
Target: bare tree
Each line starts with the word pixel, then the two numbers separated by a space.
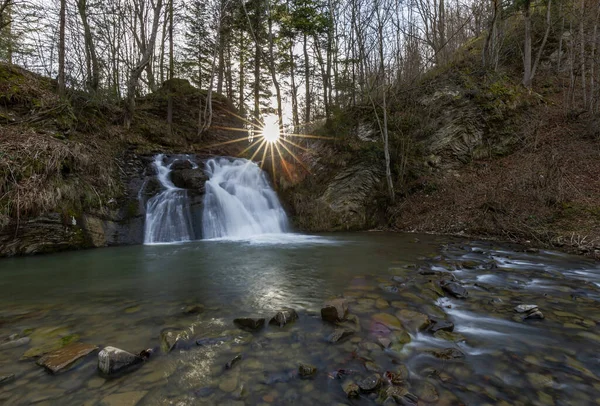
pixel 142 63
pixel 61 48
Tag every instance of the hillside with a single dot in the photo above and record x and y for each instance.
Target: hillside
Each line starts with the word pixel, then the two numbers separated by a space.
pixel 70 173
pixel 474 153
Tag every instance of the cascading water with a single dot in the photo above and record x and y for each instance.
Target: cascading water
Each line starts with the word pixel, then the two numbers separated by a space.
pixel 168 216
pixel 239 202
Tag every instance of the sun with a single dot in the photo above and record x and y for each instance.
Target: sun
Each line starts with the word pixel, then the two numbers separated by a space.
pixel 270 130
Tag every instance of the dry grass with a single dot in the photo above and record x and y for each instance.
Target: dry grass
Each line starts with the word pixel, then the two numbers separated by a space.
pixel 40 174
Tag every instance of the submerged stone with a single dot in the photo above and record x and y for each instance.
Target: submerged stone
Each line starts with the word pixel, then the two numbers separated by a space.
pixel 112 360
pixel 284 317
pixel 18 342
pixel 306 370
pixel 6 378
pixel 413 320
pixel 427 392
pixel 61 359
pixel 233 361
pixel 193 309
pixel 534 315
pixel 351 389
pixel 248 323
pixel 369 383
pixel 339 334
pixel 388 320
pixel 447 354
pixel 449 336
pixel 335 310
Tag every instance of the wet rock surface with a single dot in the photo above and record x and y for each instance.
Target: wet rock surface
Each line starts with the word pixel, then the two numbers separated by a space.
pixel 251 324
pixel 335 310
pixel 112 361
pixel 61 359
pixel 284 317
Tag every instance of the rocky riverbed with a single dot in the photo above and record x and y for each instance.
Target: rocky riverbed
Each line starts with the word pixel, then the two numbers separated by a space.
pixel 468 323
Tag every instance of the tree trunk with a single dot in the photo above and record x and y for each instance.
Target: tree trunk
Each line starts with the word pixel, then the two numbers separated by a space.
pixel 306 80
pixel 527 47
pixel 295 117
pixel 582 54
pixel 242 83
pixel 171 70
pixel 541 49
pixel 91 56
pixel 136 72
pixel 61 48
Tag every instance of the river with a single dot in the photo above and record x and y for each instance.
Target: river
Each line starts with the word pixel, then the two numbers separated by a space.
pixel 124 297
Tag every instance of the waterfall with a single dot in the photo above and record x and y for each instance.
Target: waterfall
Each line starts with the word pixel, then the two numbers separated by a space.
pixel 168 216
pixel 239 202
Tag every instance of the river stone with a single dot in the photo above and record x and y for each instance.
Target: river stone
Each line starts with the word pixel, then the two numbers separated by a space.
pixel 525 308
pixel 6 378
pixel 233 361
pixel 427 392
pixel 412 320
pixel 248 323
pixel 48 339
pixel 351 389
pixel 437 325
pixel 59 360
pixel 534 315
pixel 123 399
pixel 335 310
pixel 181 164
pixel 193 309
pixel 339 334
pixel 306 370
pixel 454 289
pixel 397 393
pixel 449 336
pixel 283 317
pixel 194 179
pixel 14 343
pixel 112 360
pixel 169 338
pixel 388 320
pixel 369 383
pixel 447 354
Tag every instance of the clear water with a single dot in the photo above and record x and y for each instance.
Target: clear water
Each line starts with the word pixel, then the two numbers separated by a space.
pixel 125 296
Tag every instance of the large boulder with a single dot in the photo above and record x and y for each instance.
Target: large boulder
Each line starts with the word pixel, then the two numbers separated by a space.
pixel 193 179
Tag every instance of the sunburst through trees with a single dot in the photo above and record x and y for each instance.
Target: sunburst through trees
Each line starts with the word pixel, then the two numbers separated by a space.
pixel 269 141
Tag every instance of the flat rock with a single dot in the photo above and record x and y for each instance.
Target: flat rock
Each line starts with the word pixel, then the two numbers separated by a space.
pixel 248 323
pixel 6 378
pixel 124 399
pixel 283 317
pixel 369 383
pixel 449 336
pixel 112 360
pixel 59 360
pixel 413 320
pixel 339 334
pixel 14 343
pixel 525 308
pixel 447 354
pixel 335 310
pixel 454 289
pixel 388 320
pixel 438 325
